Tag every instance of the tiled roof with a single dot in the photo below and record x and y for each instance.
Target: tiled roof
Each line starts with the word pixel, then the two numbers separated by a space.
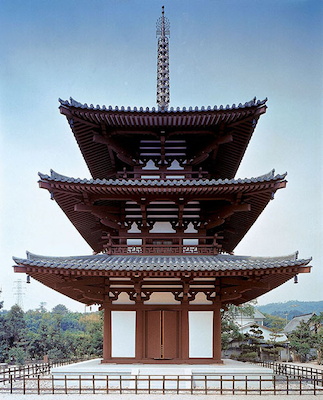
pixel 295 322
pixel 54 176
pixel 257 191
pixel 104 262
pixel 132 125
pixel 73 103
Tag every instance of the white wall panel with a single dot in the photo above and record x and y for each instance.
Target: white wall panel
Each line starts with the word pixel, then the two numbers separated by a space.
pixel 200 333
pixel 123 333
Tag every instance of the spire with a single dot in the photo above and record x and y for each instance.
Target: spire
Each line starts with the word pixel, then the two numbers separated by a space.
pixel 162 33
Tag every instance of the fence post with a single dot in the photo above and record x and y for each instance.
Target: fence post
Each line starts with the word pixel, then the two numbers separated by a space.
pixel 287 381
pixel 38 384
pixel 274 384
pixel 93 383
pixel 120 382
pixel 10 380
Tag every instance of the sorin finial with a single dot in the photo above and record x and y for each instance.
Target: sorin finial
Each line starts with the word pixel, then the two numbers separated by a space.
pixel 162 32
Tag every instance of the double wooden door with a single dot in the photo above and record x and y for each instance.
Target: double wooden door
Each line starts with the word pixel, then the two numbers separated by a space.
pixel 162 334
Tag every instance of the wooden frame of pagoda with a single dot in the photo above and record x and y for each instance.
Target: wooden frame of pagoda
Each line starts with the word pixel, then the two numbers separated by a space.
pixel 153 167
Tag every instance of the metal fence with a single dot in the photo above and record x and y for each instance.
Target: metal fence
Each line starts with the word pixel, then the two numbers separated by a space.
pixel 163 384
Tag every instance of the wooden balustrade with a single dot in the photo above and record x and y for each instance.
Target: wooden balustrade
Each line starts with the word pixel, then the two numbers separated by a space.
pixel 162 174
pixel 161 249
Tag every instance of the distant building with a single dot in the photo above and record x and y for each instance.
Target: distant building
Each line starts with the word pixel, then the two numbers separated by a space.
pixel 244 320
pixel 295 322
pixel 268 333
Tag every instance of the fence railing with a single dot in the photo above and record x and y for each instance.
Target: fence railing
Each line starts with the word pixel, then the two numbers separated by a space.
pixel 11 373
pixel 201 384
pixel 296 371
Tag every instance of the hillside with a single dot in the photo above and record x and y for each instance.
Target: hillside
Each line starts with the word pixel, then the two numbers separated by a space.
pixel 292 308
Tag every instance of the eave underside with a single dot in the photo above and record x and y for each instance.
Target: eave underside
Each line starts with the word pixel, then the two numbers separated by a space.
pixel 100 286
pixel 73 197
pixel 123 131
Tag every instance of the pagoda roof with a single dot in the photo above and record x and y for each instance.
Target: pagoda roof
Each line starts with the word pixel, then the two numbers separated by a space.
pixel 134 124
pixel 106 263
pixel 66 274
pixel 73 103
pixel 56 177
pixel 69 193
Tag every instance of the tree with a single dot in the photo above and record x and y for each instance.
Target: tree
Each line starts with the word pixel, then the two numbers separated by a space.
pixel 317 323
pixel 60 309
pixel 14 342
pixel 14 325
pixel 274 322
pixel 301 341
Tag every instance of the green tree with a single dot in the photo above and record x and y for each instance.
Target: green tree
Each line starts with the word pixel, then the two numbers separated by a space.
pixel 14 342
pixel 14 325
pixel 301 341
pixel 274 322
pixel 317 323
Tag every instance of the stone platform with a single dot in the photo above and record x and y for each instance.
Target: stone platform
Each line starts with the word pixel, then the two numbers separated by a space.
pixel 152 375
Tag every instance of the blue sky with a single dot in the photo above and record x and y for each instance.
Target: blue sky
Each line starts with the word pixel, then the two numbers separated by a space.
pixel 104 52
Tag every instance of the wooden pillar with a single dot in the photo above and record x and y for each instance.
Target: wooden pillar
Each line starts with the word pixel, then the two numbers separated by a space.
pixel 184 332
pixel 217 332
pixel 107 335
pixel 140 329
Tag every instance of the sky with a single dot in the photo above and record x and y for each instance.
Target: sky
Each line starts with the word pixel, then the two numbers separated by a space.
pixel 104 52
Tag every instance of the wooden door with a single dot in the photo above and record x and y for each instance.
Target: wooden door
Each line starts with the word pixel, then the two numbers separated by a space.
pixel 162 334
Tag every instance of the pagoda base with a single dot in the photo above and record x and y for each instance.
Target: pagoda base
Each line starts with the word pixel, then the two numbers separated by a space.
pixel 162 361
pixel 152 375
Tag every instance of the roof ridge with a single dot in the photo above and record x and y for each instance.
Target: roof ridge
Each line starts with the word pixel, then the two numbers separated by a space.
pixel 55 176
pixel 224 257
pixel 73 103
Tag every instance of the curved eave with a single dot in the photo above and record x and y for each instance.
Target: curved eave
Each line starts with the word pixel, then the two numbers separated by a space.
pixel 73 104
pixel 69 194
pixel 239 121
pixel 63 275
pixel 126 190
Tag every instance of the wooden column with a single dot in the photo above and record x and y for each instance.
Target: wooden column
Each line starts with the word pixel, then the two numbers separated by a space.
pixel 184 342
pixel 140 329
pixel 107 335
pixel 217 332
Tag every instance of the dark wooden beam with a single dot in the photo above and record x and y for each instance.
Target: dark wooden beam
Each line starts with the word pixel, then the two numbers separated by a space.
pixel 121 153
pixel 218 217
pixel 205 152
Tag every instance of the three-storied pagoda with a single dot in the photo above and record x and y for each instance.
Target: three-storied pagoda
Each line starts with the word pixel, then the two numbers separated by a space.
pixel 163 213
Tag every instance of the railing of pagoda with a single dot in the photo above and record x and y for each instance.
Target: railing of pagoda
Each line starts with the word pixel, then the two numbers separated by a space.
pixel 163 248
pixel 162 174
